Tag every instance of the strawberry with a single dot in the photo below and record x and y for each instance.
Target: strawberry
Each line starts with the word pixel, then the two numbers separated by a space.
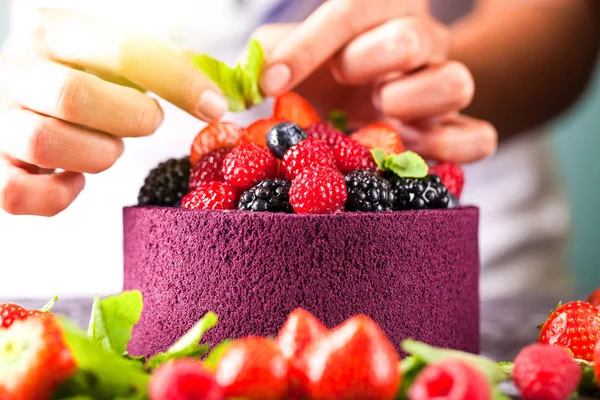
pixel 208 169
pixel 452 177
pixel 597 362
pixel 211 196
pixel 450 379
pixel 184 379
pixel 379 136
pixel 292 107
pixel 353 361
pixel 34 358
pixel 300 329
pixel 253 368
pixel 318 190
pixel 9 313
pixel 325 132
pixel 257 131
pixel 352 156
pixel 575 326
pixel 308 153
pixel 215 136
pixel 594 298
pixel 248 164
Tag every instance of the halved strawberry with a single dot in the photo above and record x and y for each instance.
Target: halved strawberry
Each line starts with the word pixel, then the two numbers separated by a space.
pixel 294 108
pixel 34 359
pixel 9 312
pixel 257 131
pixel 215 136
pixel 379 136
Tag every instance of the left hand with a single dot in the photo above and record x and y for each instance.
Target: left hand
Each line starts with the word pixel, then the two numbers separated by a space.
pixel 380 60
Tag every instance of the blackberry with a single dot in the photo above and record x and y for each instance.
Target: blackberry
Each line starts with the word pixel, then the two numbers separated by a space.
pixel 367 191
pixel 166 184
pixel 283 136
pixel 269 195
pixel 419 193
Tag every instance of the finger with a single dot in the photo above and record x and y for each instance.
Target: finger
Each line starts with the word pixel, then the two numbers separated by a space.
pixel 22 193
pixel 270 35
pixel 322 35
pixel 81 98
pixel 51 143
pixel 460 140
pixel 430 92
pixel 144 61
pixel 400 45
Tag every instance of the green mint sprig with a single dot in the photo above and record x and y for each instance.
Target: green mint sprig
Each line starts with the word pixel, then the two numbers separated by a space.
pixel 405 165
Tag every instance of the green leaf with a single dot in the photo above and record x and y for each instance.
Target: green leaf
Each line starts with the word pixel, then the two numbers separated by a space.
pixel 506 367
pixel 215 355
pixel 48 306
pixel 432 355
pixel 410 367
pixel 253 68
pixel 339 120
pixel 498 395
pixel 379 156
pixel 188 345
pixel 407 165
pixel 588 386
pixel 113 319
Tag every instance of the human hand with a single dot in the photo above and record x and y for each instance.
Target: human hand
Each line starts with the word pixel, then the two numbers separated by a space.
pixel 376 60
pixel 70 89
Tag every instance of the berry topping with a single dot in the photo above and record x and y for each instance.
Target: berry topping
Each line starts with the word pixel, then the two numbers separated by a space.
pixel 318 190
pixel 253 368
pixel 166 184
pixel 450 379
pixel 9 313
pixel 210 196
pixel 379 136
pixel 546 372
pixel 351 156
pixel 294 108
pixel 268 195
pixel 573 326
pixel 353 361
pixel 208 169
pixel 452 177
pixel 257 132
pixel 184 379
pixel 300 330
pixel 418 193
pixel 248 164
pixel 325 132
pixel 308 153
pixel 283 136
pixel 367 191
pixel 34 359
pixel 215 136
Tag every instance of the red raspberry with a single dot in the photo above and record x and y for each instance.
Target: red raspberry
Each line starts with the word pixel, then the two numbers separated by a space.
pixel 210 196
pixel 209 168
pixel 325 132
pixel 545 372
pixel 248 164
pixel 184 379
pixel 450 379
pixel 452 177
pixel 351 156
pixel 308 153
pixel 318 190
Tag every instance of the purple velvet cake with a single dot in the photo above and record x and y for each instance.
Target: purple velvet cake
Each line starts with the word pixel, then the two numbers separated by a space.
pixel 415 272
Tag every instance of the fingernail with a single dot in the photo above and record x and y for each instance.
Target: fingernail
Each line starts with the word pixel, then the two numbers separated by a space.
pixel 159 118
pixel 276 78
pixel 411 137
pixel 212 105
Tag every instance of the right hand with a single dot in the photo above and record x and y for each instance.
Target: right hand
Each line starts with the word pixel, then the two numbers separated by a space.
pixel 70 89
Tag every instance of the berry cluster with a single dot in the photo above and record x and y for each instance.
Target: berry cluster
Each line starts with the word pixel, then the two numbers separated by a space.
pixel 293 162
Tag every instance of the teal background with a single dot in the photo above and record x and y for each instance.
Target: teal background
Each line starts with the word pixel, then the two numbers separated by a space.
pixel 576 139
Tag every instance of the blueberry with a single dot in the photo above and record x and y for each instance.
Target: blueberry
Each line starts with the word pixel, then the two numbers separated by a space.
pixel 283 136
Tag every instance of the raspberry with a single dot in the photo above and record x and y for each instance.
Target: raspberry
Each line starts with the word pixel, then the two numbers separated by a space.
pixel 211 196
pixel 308 153
pixel 166 184
pixel 318 190
pixel 452 177
pixel 367 191
pixel 351 156
pixel 545 372
pixel 325 132
pixel 268 195
pixel 248 164
pixel 209 168
pixel 450 379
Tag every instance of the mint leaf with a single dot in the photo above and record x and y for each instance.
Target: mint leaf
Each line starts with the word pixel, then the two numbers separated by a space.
pixel 188 345
pixel 411 367
pixel 48 306
pixel 379 156
pixel 407 165
pixel 215 355
pixel 507 367
pixel 113 319
pixel 339 120
pixel 432 355
pixel 252 70
pixel 498 395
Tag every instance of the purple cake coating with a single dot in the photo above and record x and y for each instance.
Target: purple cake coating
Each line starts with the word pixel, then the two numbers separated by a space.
pixel 416 273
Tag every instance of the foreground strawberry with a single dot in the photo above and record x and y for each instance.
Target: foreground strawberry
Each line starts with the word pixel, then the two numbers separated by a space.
pixel 318 190
pixel 452 177
pixel 257 131
pixel 248 164
pixel 34 359
pixel 451 379
pixel 353 361
pixel 597 362
pixel 300 330
pixel 253 368
pixel 294 108
pixel 9 313
pixel 306 154
pixel 184 379
pixel 546 372
pixel 210 196
pixel 215 136
pixel 208 169
pixel 379 136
